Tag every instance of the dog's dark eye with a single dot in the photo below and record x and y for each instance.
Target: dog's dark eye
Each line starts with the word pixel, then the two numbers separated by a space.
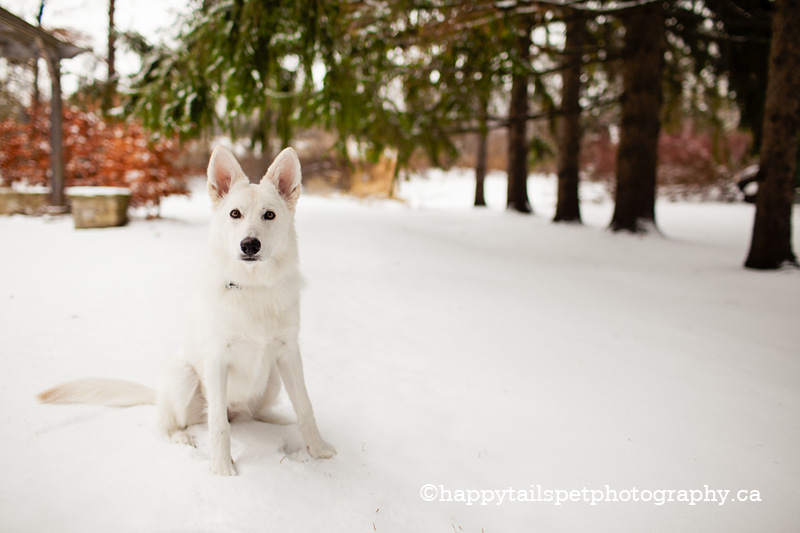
pixel 236 214
pixel 269 215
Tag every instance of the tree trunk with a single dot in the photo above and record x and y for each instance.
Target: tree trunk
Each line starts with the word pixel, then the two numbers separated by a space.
pixel 480 162
pixel 517 126
pixel 569 125
pixel 771 246
pixel 263 130
pixel 637 157
pixel 36 97
pixel 112 42
pixel 111 85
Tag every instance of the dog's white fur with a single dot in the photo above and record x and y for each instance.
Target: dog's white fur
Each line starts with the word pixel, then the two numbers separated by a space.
pixel 242 337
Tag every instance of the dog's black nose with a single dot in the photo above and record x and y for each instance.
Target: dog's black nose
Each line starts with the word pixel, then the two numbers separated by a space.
pixel 250 246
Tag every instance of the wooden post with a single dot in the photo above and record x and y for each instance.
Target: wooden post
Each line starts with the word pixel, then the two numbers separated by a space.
pixel 56 139
pixel 56 128
pixel 26 39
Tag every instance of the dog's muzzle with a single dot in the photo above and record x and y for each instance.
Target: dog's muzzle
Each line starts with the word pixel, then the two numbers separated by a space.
pixel 250 248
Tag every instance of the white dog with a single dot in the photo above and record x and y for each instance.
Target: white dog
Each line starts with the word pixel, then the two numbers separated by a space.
pixel 244 325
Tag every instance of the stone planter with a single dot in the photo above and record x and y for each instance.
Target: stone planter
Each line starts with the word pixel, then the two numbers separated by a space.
pixel 99 207
pixel 14 202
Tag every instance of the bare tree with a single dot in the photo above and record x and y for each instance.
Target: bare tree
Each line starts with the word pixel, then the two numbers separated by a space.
pixel 112 41
pixel 36 98
pixel 111 85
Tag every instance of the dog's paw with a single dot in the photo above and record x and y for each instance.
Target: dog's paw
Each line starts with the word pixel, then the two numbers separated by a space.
pixel 182 437
pixel 223 468
pixel 321 450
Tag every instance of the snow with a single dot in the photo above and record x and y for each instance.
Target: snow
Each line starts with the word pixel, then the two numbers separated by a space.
pixel 97 191
pixel 27 188
pixel 467 348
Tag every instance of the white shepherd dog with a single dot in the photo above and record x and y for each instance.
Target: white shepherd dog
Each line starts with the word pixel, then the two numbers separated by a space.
pixel 242 336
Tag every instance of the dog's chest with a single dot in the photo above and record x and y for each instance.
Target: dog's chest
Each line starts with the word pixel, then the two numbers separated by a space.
pixel 251 313
pixel 249 367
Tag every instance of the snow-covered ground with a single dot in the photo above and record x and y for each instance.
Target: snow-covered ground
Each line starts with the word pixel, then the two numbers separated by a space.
pixel 446 346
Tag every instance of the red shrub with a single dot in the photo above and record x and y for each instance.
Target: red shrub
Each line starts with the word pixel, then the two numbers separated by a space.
pixel 96 152
pixel 599 155
pixel 692 163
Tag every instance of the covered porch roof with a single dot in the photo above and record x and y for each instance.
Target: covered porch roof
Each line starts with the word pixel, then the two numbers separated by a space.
pixel 21 41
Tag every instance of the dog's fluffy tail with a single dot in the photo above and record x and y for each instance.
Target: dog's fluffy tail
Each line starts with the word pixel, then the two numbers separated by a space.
pixel 100 391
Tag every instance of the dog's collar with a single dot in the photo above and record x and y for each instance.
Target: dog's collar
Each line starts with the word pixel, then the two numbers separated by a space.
pixel 231 285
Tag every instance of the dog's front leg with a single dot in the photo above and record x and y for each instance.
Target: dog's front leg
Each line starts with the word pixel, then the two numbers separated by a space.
pixel 291 368
pixel 219 429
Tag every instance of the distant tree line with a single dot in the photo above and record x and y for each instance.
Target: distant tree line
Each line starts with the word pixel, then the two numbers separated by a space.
pixel 411 74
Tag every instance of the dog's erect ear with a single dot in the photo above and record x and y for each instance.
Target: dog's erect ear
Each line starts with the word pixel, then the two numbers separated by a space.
pixel 223 172
pixel 284 173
